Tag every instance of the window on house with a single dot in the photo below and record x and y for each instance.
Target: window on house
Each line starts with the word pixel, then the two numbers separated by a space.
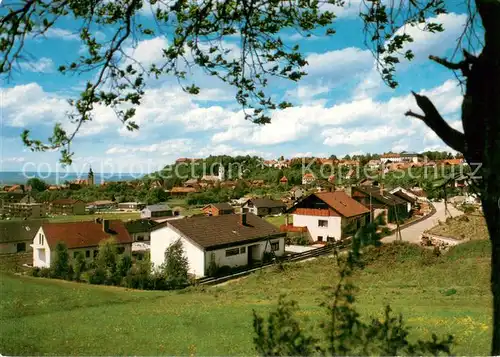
pixel 21 247
pixel 231 252
pixel 322 223
pixel 140 238
pixel 320 238
pixel 243 250
pixel 87 254
pixel 96 252
pixel 75 254
pixel 120 250
pixel 330 239
pixel 275 246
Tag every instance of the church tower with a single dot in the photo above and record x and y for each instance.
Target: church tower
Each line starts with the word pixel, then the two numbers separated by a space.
pixel 90 178
pixel 221 172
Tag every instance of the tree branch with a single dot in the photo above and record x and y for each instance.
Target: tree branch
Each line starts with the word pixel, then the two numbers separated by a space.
pixel 434 120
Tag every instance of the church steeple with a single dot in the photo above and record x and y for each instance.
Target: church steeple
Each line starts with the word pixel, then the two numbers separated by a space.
pixel 90 178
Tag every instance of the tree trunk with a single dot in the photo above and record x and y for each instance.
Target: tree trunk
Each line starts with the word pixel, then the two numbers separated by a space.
pixel 481 121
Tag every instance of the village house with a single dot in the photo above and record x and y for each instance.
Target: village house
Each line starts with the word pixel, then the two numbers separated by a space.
pixel 79 237
pixel 373 164
pixel 17 236
pixel 218 209
pixel 7 198
pixel 227 240
pixel 328 216
pixel 308 179
pixel 103 205
pixel 406 195
pixel 140 232
pixel 283 180
pixel 131 206
pixel 25 210
pixel 67 206
pixel 380 201
pixel 140 229
pixel 263 206
pixel 193 182
pixel 155 211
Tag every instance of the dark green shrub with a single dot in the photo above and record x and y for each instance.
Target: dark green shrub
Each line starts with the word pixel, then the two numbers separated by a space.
pixel 97 276
pixel 35 271
pixel 60 265
pixel 45 273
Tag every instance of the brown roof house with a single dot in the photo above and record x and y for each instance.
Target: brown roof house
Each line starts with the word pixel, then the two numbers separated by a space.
pixel 263 206
pixel 17 236
pixel 81 237
pixel 380 201
pixel 227 240
pixel 67 206
pixel 218 209
pixel 328 216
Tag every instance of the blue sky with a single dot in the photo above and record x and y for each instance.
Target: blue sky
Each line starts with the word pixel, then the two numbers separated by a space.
pixel 341 107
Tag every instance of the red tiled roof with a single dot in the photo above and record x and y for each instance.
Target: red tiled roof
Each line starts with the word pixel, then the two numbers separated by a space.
pixel 84 234
pixel 182 189
pixel 284 179
pixel 308 175
pixel 342 203
pixel 315 212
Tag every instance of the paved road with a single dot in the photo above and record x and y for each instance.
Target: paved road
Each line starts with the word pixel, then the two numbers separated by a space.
pixel 412 233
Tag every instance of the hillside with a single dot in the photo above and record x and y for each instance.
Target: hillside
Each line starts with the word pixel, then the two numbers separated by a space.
pixel 465 227
pixel 434 294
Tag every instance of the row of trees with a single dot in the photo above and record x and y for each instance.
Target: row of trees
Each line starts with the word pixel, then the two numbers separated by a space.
pixel 111 268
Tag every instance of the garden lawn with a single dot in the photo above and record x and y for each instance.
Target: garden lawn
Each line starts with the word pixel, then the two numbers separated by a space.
pixel 124 216
pixel 446 295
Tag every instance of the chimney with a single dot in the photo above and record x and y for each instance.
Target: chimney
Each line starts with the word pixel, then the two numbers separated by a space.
pixel 243 219
pixel 105 225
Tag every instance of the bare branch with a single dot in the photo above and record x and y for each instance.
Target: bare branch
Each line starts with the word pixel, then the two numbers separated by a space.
pixel 434 120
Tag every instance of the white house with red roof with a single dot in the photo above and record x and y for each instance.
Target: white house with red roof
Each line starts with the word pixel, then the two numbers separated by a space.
pixel 308 178
pixel 79 237
pixel 329 216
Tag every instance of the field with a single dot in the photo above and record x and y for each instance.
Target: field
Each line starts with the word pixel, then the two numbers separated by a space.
pixel 124 216
pixel 449 294
pixel 278 220
pixel 466 227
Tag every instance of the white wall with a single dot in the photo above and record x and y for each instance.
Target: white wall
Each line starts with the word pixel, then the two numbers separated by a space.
pixel 41 252
pixel 242 258
pixel 311 222
pixel 165 236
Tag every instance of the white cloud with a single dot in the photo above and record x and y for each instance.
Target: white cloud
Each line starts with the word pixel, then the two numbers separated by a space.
pixel 29 104
pixel 400 145
pixel 167 147
pixel 423 45
pixel 339 63
pixel 42 65
pixel 360 136
pixel 149 51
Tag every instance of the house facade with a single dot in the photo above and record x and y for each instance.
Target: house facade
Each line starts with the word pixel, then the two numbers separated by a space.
pixel 329 216
pixel 226 240
pixel 25 210
pixel 67 206
pixel 308 179
pixel 131 206
pixel 218 209
pixel 17 236
pixel 155 211
pixel 263 207
pixel 79 237
pixel 380 201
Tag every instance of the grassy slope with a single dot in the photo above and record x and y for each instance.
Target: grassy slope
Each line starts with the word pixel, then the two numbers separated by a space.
pixel 41 316
pixel 468 227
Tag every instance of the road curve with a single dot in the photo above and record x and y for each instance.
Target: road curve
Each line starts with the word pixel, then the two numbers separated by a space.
pixel 412 233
